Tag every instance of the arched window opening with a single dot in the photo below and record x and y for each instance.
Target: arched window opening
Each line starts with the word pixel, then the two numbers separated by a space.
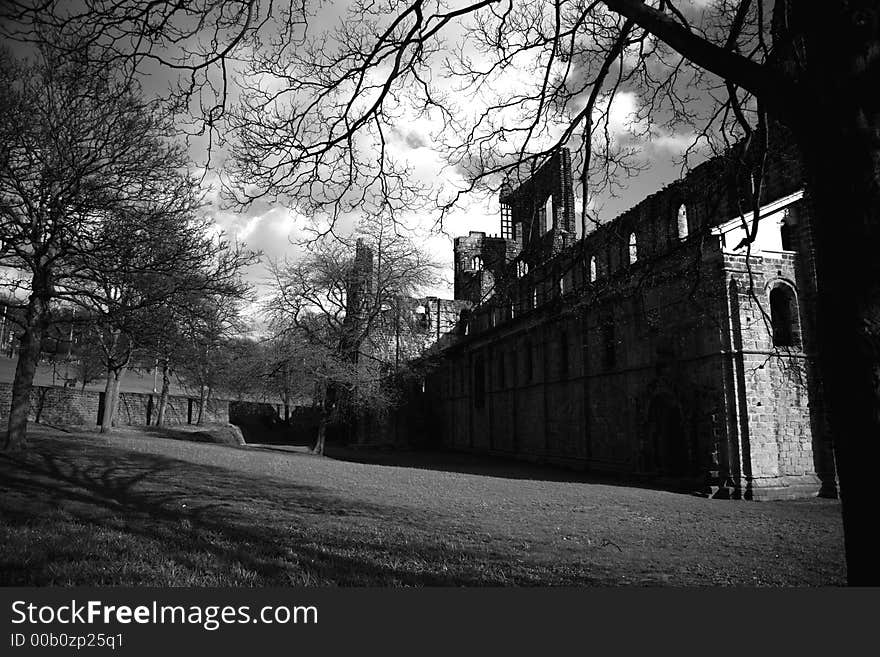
pixel 535 298
pixel 633 249
pixel 522 268
pixel 506 221
pixel 593 271
pixel 476 263
pixel 786 236
pixel 561 285
pixel 784 316
pixel 548 214
pixel 421 317
pixel 682 222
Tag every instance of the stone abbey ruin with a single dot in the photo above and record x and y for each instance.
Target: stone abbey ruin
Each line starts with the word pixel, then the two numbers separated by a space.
pixel 662 345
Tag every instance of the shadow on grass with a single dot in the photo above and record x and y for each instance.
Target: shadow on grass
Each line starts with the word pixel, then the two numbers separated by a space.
pixel 83 513
pixel 497 466
pixel 279 437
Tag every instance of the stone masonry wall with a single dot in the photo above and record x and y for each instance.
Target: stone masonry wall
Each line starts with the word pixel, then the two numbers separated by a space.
pixel 638 349
pixel 58 405
pixel 576 379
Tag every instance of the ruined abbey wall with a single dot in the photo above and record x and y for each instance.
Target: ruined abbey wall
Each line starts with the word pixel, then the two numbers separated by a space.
pixel 659 345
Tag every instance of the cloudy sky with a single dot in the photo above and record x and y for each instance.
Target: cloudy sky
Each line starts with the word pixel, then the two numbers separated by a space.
pixel 274 228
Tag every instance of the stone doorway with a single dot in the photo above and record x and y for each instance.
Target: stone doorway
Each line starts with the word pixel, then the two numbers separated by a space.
pixel 667 439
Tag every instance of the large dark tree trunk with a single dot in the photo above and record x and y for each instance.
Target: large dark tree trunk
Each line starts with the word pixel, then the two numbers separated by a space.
pixel 328 404
pixel 834 55
pixel 35 323
pixel 843 182
pixel 111 398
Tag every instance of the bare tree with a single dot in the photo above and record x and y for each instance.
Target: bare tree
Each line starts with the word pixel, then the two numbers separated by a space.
pixel 215 320
pixel 99 210
pixel 335 307
pixel 175 274
pixel 80 152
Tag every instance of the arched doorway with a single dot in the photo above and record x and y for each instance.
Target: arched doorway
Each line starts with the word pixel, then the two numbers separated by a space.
pixel 667 441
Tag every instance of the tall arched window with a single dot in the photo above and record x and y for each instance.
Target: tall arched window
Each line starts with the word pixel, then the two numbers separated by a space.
pixel 784 316
pixel 682 222
pixel 633 249
pixel 593 272
pixel 548 214
pixel 421 316
pixel 522 268
pixel 785 237
pixel 476 263
pixel 535 297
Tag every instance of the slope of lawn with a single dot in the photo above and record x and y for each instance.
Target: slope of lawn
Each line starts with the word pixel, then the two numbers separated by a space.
pixel 82 509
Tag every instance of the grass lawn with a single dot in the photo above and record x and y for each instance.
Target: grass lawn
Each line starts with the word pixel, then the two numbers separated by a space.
pixel 134 509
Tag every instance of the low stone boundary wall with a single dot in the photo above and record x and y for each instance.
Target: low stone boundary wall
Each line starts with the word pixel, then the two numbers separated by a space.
pixel 58 405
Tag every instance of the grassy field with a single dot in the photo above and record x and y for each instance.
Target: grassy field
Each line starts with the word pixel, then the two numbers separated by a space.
pixel 134 509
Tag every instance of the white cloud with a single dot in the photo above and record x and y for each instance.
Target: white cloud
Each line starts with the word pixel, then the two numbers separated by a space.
pixel 622 114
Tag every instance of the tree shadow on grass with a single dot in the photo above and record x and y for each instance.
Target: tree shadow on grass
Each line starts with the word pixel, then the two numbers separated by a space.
pixel 497 466
pixel 154 520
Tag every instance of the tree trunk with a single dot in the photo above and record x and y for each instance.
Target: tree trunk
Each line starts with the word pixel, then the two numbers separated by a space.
pixel 109 402
pixel 36 320
pixel 203 396
pixel 837 122
pixel 322 434
pixel 844 179
pixel 286 393
pixel 117 384
pixel 328 402
pixel 163 396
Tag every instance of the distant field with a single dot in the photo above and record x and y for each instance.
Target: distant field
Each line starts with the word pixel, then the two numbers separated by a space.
pixel 133 381
pixel 133 509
